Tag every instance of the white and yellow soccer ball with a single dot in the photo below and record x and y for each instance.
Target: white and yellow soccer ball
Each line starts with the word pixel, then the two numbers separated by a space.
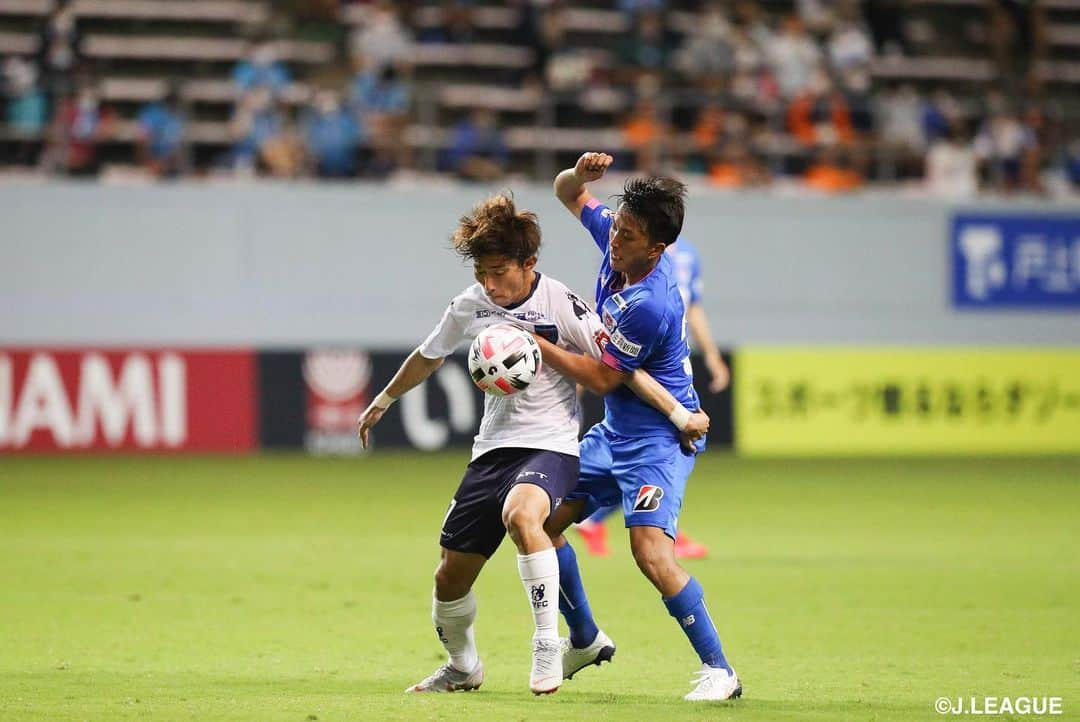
pixel 504 360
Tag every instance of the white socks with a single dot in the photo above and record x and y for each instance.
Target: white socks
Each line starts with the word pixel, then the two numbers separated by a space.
pixel 454 625
pixel 540 574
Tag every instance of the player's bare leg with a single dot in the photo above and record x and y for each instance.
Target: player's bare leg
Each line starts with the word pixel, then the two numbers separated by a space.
pixel 587 644
pixel 654 552
pixel 453 611
pixel 524 513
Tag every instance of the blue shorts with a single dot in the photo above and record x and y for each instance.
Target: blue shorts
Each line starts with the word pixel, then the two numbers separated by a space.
pixel 647 476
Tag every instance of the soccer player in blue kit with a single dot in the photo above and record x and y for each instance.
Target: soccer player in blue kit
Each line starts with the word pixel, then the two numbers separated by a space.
pixel 687 263
pixel 634 455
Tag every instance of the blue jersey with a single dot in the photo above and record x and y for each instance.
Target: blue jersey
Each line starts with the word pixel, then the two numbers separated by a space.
pixel 647 325
pixel 687 262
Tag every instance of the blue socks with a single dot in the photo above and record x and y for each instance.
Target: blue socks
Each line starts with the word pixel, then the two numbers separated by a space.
pixel 572 601
pixel 688 608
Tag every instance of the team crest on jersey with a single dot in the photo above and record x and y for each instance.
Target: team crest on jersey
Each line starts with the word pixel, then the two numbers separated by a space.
pixel 624 344
pixel 609 321
pixel 648 498
pixel 580 309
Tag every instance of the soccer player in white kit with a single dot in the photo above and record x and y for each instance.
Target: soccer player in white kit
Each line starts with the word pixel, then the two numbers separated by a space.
pixel 525 456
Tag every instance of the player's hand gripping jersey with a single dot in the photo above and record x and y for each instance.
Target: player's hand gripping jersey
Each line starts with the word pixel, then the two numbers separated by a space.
pixel 545 415
pixel 647 328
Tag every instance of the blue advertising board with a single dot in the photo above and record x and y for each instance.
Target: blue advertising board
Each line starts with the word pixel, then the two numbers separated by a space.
pixel 1016 261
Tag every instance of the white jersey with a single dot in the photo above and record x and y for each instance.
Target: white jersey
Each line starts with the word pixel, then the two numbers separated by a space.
pixel 545 415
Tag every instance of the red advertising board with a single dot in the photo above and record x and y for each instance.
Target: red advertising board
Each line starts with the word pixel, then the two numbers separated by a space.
pixel 74 400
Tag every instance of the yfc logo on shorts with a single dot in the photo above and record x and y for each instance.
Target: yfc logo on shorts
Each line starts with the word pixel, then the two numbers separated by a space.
pixel 537 591
pixel 648 498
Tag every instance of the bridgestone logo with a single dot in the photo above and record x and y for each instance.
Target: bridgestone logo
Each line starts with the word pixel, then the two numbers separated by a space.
pixel 624 344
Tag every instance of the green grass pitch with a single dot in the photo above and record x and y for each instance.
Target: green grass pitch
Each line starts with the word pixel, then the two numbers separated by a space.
pixel 295 589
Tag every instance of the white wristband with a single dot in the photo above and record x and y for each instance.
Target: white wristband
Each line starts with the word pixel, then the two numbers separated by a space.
pixel 383 400
pixel 680 417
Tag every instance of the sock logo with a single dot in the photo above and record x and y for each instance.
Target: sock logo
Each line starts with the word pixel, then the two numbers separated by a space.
pixel 442 637
pixel 537 593
pixel 687 620
pixel 648 498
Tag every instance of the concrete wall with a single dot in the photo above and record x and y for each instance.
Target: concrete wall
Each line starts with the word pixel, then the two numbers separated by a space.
pixel 287 265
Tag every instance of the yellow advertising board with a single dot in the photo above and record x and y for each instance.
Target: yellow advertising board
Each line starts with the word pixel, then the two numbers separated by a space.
pixel 805 401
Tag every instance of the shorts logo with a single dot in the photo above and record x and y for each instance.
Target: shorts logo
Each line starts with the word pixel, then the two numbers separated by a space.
pixel 527 474
pixel 624 344
pixel 648 498
pixel 537 593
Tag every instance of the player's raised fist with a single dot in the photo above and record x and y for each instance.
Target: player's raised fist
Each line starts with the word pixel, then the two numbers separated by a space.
pixel 591 166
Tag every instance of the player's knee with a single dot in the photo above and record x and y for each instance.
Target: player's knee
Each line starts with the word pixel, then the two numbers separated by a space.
pixel 521 519
pixel 447 585
pixel 653 557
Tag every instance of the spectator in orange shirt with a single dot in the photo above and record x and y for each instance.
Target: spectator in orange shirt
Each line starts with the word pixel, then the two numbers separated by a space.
pixel 646 134
pixel 820 115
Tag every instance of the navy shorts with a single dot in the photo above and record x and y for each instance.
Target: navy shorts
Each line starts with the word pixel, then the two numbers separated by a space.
pixel 473 522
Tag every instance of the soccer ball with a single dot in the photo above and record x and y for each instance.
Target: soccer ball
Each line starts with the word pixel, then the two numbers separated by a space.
pixel 504 360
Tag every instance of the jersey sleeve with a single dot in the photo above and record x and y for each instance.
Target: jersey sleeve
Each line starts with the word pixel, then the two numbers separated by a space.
pixel 597 218
pixel 579 325
pixel 449 333
pixel 640 327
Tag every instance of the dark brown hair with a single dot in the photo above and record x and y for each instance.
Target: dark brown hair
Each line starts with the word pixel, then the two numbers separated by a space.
pixel 496 227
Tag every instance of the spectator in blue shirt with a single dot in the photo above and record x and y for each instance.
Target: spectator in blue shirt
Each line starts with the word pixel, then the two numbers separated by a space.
pixel 256 122
pixel 477 150
pixel 161 135
pixel 261 69
pixel 332 136
pixel 380 100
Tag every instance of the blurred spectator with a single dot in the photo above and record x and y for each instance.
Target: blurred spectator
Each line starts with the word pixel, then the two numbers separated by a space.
pixel 1009 150
pixel 647 135
pixel 646 49
pixel 750 17
pixel 383 39
pixel 817 15
pixel 850 50
pixel 59 53
pixel 161 135
pixel 820 114
pixel 332 135
pixel 735 167
pixel 707 47
pixel 261 69
pixel 938 113
pixel 455 24
pixel 951 165
pixel 261 138
pixel 899 112
pixel 477 149
pixel 26 109
pixel 380 100
pixel 831 172
pixel 794 56
pixel 79 126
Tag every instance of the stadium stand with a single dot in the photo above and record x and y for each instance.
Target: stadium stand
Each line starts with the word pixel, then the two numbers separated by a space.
pixel 740 92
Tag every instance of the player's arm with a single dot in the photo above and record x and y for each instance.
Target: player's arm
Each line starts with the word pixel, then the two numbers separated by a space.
pixel 570 183
pixel 698 324
pixel 692 424
pixel 602 379
pixel 412 372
